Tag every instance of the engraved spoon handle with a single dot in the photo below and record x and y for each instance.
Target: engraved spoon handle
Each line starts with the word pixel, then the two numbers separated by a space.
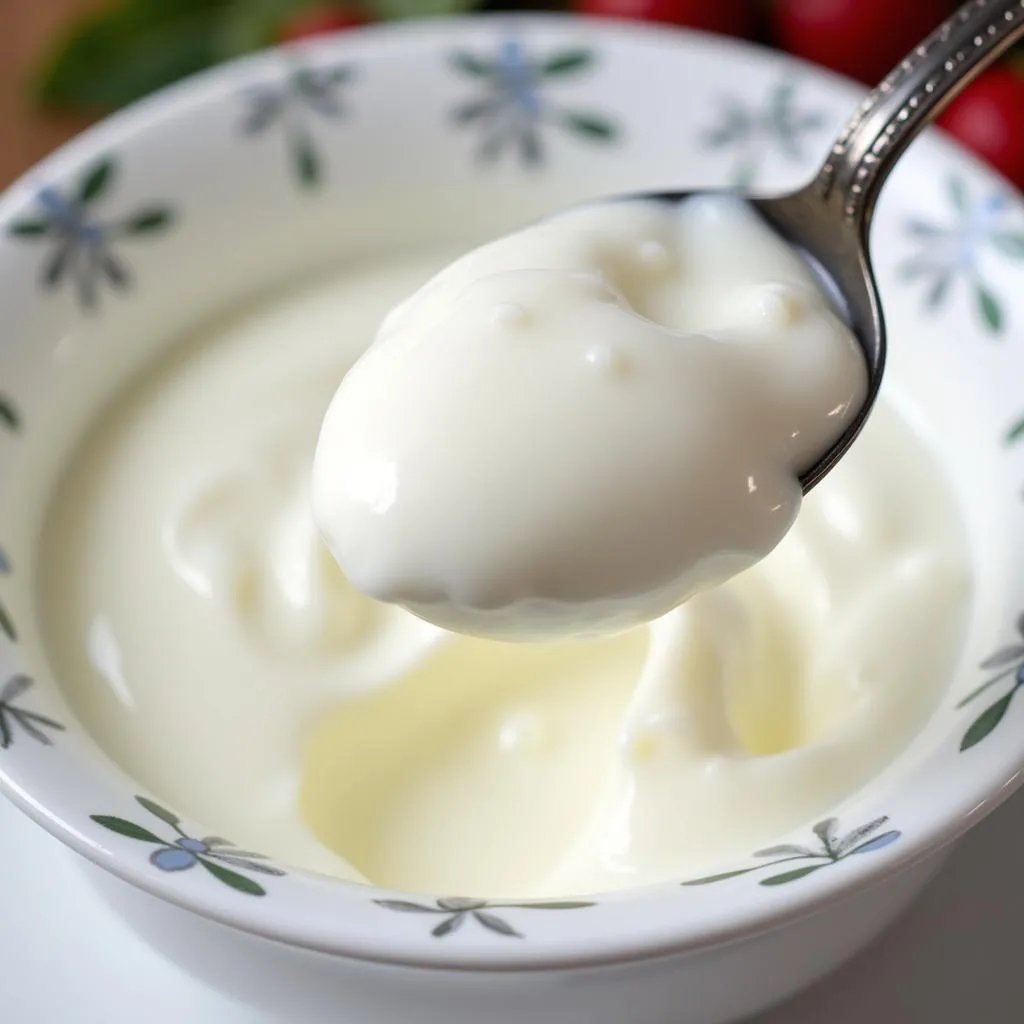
pixel 906 101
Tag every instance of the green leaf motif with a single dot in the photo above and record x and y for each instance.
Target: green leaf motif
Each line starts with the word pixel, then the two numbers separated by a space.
pixel 986 722
pixel 29 228
pixel 496 924
pixel 128 829
pixel 1015 432
pixel 552 905
pixel 449 925
pixel 708 879
pixel 957 192
pixel 405 907
pixel 566 62
pixel 589 125
pixel 148 221
pixel 7 626
pixel 745 174
pixel 791 876
pixel 1013 652
pixel 470 64
pixel 461 903
pixel 1009 243
pixel 159 812
pixel 307 162
pixel 826 832
pixel 14 688
pixel 231 878
pixel 989 308
pixel 917 228
pixel 936 294
pixel 96 181
pixel 785 850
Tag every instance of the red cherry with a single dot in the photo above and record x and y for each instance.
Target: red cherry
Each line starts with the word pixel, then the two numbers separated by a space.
pixel 318 21
pixel 986 118
pixel 732 17
pixel 864 39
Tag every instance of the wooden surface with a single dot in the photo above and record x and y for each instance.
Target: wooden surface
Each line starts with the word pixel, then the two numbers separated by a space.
pixel 27 31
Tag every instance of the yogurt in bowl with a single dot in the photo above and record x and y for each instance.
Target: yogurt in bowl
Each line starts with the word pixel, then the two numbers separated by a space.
pixel 177 637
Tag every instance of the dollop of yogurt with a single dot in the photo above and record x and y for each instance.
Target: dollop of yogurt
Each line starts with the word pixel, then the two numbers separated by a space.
pixel 575 428
pixel 208 642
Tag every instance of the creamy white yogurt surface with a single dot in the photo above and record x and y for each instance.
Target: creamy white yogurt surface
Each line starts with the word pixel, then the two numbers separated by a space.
pixel 576 427
pixel 211 644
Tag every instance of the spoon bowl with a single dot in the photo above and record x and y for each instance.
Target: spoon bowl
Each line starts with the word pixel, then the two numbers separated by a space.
pixel 829 220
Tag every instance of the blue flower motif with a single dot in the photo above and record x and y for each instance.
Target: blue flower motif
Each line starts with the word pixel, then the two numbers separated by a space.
pixel 512 106
pixel 303 92
pixel 830 850
pixel 217 856
pixel 752 132
pixel 952 251
pixel 83 246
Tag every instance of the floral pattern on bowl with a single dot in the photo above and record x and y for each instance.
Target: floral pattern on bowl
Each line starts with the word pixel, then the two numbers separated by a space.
pixel 512 93
pixel 832 847
pixel 83 247
pixel 289 109
pixel 184 852
pixel 749 129
pixel 15 717
pixel 950 253
pixel 512 108
pixel 1008 665
pixel 454 911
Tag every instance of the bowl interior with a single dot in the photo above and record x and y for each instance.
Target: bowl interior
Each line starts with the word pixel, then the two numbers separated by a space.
pixel 271 169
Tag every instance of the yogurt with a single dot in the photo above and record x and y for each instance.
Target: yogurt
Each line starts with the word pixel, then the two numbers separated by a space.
pixel 211 645
pixel 575 428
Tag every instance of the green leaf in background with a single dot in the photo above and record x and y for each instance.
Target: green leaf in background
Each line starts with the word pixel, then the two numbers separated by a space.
pixel 395 9
pixel 132 47
pixel 119 55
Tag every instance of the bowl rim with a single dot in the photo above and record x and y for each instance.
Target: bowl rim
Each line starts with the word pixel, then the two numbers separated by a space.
pixel 992 780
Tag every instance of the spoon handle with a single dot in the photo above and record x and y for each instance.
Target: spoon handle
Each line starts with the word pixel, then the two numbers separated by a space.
pixel 907 99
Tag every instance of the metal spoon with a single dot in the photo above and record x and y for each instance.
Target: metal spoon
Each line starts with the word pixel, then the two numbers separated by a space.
pixel 829 219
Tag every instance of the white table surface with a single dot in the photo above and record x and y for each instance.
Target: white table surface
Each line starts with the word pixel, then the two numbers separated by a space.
pixel 956 958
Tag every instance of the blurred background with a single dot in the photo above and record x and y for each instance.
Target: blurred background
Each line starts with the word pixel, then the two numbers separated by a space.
pixel 64 63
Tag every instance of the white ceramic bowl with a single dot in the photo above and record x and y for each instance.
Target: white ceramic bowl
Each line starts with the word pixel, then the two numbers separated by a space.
pixel 269 168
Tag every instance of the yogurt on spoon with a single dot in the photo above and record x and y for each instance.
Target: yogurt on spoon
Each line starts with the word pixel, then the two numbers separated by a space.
pixel 575 428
